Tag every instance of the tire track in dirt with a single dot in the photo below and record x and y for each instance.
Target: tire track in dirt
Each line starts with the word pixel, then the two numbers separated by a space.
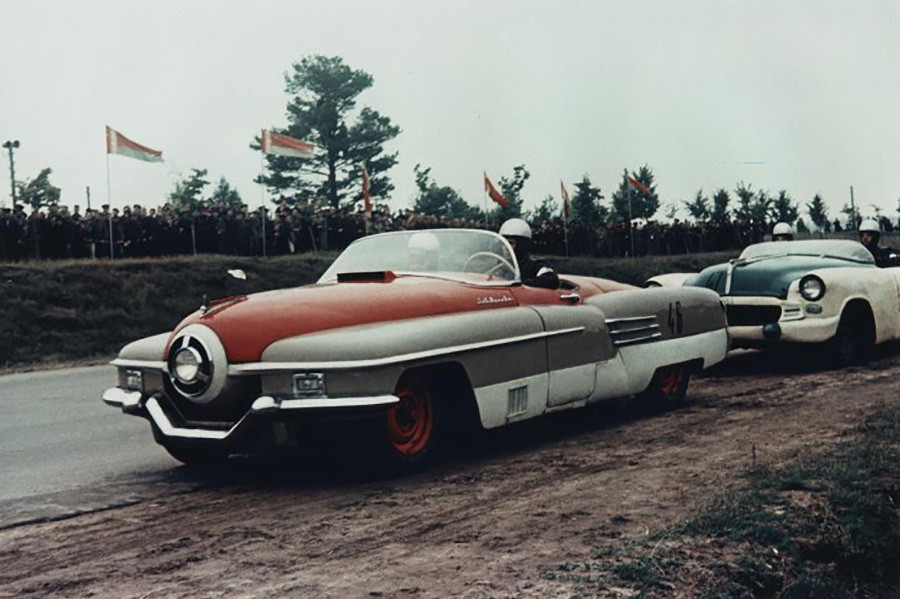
pixel 544 494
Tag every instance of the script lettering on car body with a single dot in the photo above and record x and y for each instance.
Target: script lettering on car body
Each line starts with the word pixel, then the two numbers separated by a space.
pixel 494 299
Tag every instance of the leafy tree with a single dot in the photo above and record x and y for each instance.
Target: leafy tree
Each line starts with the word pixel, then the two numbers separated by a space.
pixel 38 192
pixel 699 207
pixel 322 111
pixel 642 204
pixel 511 190
pixel 784 209
pixel 226 194
pixel 851 217
pixel 670 210
pixel 187 193
pixel 761 207
pixel 720 200
pixel 818 212
pixel 548 210
pixel 745 201
pixel 438 201
pixel 586 205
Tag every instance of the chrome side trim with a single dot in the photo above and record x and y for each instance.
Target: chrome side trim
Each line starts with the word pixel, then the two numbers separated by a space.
pixel 258 367
pixel 610 321
pixel 148 364
pixel 267 403
pixel 637 340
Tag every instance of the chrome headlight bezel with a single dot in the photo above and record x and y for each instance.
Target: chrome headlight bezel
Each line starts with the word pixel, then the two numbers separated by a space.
pixel 190 365
pixel 812 288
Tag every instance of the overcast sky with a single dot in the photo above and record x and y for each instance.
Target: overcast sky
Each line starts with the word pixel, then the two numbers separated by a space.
pixel 798 95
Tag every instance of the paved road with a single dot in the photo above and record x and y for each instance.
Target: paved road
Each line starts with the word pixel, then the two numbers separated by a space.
pixel 63 451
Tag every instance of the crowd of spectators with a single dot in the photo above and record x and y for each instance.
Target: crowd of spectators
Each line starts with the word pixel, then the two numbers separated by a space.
pixel 135 231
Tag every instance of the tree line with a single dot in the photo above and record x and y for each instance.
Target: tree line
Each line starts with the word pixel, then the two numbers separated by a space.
pixel 324 109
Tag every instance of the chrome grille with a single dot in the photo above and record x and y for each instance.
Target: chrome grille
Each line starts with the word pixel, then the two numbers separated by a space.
pixel 628 331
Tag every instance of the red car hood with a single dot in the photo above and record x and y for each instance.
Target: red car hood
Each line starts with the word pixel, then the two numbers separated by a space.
pixel 248 325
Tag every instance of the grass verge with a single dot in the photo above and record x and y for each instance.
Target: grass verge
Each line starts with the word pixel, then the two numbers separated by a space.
pixel 57 313
pixel 824 527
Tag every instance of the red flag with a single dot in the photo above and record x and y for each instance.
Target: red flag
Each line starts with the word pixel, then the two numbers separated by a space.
pixel 565 198
pixel 366 198
pixel 116 143
pixel 640 186
pixel 282 145
pixel 492 191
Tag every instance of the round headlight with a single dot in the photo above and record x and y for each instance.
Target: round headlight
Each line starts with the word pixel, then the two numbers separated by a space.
pixel 812 288
pixel 187 365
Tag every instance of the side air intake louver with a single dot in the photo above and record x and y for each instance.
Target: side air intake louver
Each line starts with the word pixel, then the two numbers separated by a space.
pixel 628 331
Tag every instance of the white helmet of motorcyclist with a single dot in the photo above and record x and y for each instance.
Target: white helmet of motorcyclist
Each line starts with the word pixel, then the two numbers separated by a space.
pixel 515 227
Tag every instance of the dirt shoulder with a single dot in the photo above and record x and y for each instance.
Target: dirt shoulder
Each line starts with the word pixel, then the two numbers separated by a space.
pixel 486 526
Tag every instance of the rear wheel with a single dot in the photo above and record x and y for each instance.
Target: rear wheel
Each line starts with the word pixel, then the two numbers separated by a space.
pixel 668 387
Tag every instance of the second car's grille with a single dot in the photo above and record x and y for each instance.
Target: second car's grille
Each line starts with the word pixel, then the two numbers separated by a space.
pixel 744 316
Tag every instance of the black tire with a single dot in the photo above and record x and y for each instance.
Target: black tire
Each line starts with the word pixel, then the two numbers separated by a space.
pixel 667 388
pixel 195 456
pixel 854 338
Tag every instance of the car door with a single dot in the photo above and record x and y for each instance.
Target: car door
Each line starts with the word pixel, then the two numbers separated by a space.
pixel 578 343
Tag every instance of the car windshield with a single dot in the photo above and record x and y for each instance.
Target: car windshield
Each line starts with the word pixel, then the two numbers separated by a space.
pixel 842 249
pixel 461 254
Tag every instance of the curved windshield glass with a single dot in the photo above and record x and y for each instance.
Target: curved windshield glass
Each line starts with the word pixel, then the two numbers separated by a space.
pixel 843 249
pixel 466 254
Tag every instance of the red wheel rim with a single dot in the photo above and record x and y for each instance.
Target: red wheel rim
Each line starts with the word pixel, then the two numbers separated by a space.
pixel 670 381
pixel 411 421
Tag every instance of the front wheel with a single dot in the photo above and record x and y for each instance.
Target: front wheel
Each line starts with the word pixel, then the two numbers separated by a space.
pixel 195 456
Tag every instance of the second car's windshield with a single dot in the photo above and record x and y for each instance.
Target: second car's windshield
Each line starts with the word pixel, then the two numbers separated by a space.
pixel 478 256
pixel 844 249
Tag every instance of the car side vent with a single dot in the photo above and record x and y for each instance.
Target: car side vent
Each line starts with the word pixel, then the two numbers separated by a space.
pixel 628 331
pixel 518 401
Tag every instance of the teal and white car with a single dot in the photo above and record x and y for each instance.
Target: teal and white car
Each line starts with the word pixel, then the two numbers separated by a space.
pixel 811 291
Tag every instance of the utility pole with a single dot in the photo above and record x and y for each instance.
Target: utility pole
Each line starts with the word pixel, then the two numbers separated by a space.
pixel 10 146
pixel 87 192
pixel 853 215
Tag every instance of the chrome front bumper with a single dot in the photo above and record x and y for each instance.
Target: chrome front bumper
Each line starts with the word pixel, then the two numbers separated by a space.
pixel 135 403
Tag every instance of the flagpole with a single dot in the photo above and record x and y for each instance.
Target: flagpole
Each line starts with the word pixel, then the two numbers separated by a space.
pixel 484 200
pixel 262 202
pixel 109 202
pixel 630 224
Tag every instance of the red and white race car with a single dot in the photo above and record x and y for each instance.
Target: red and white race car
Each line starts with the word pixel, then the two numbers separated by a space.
pixel 416 333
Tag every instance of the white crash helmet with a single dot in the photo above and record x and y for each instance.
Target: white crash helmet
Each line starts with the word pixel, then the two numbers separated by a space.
pixel 870 225
pixel 423 242
pixel 515 227
pixel 783 231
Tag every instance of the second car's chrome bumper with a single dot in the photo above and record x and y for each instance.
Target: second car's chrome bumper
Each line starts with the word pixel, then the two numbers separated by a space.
pixel 134 402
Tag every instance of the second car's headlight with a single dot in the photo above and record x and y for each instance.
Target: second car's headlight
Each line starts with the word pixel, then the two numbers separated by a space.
pixel 812 288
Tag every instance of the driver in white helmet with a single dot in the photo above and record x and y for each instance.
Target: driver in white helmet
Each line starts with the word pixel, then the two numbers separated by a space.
pixel 423 250
pixel 536 273
pixel 782 232
pixel 869 234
